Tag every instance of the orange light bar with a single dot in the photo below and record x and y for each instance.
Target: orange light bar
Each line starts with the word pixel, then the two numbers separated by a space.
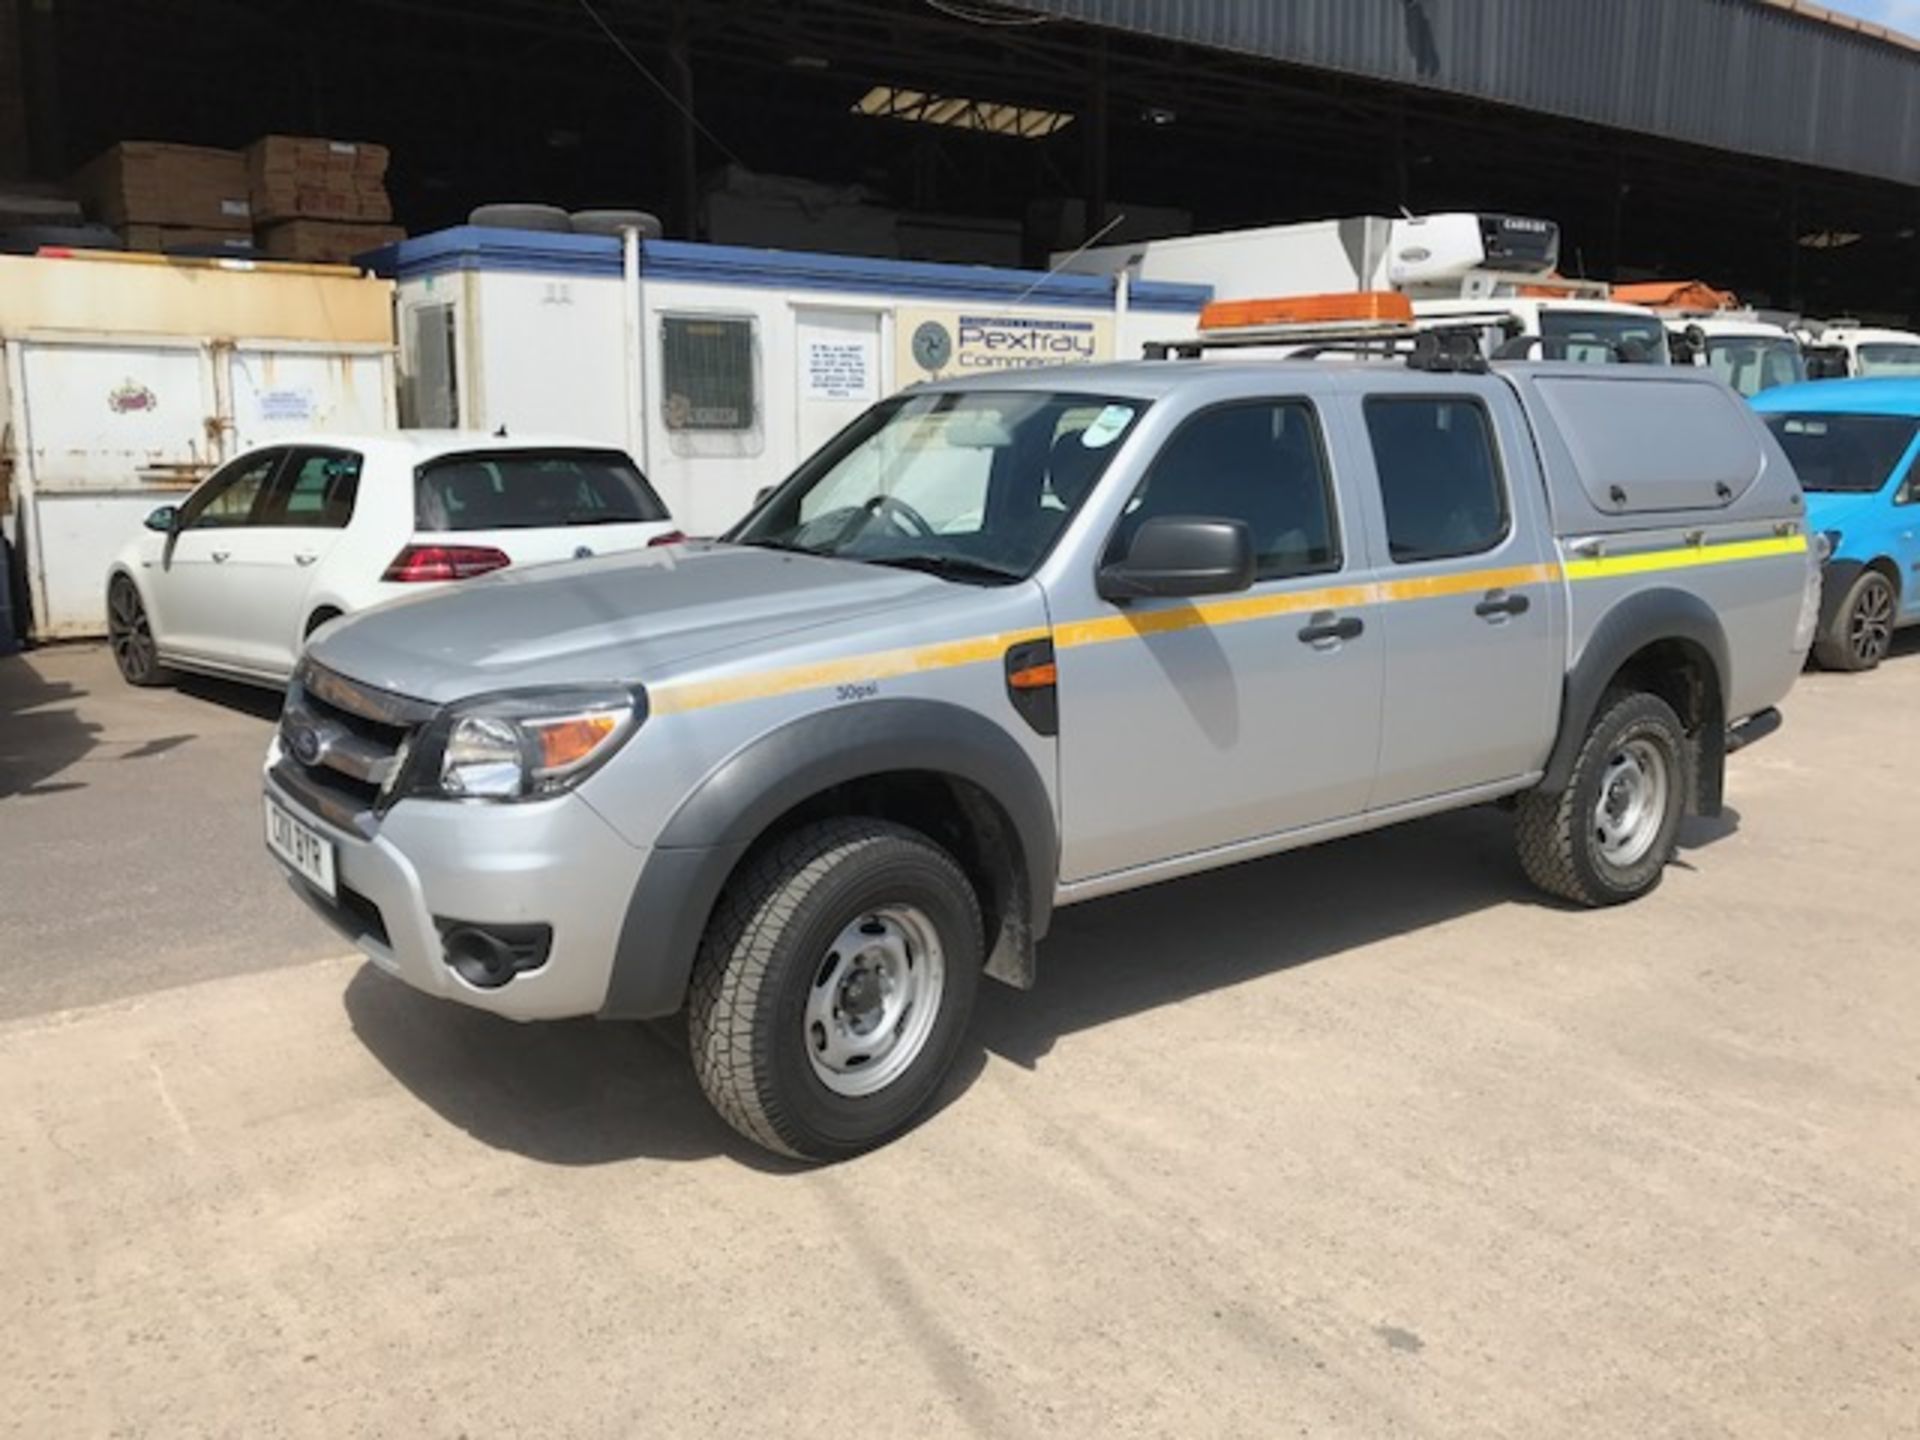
pixel 1362 305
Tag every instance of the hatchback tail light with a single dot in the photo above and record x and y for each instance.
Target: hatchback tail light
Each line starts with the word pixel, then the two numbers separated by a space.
pixel 444 562
pixel 671 537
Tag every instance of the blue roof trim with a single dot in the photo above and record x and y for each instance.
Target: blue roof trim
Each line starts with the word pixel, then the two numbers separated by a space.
pixel 470 247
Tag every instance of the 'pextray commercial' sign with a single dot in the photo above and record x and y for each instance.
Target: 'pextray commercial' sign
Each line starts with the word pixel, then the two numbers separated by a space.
pixel 945 343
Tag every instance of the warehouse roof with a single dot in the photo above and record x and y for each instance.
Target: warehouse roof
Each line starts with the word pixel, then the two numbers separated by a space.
pixel 1779 78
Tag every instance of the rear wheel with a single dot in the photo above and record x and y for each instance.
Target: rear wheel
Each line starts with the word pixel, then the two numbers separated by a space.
pixel 1607 837
pixel 833 987
pixel 1861 630
pixel 130 634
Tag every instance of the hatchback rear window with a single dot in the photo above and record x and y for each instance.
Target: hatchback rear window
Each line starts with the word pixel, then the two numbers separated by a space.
pixel 532 489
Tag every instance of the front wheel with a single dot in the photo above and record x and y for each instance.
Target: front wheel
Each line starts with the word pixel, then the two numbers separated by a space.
pixel 130 634
pixel 1861 630
pixel 833 987
pixel 1607 837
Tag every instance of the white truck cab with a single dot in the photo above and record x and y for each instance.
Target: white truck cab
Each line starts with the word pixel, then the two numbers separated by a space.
pixel 1449 266
pixel 1839 348
pixel 1709 327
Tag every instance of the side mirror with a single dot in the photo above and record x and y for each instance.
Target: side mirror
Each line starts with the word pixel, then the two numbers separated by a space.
pixel 163 518
pixel 1181 555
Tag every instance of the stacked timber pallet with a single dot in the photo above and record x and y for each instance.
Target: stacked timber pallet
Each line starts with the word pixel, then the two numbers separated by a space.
pixel 161 196
pixel 318 199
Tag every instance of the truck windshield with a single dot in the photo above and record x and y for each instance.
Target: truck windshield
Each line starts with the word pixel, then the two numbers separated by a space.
pixel 973 485
pixel 1752 363
pixel 1887 358
pixel 1843 453
pixel 531 489
pixel 1600 337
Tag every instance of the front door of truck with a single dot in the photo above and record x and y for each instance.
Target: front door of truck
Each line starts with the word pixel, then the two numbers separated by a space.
pixel 1189 725
pixel 1471 620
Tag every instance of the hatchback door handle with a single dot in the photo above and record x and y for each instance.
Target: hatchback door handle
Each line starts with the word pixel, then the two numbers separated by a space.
pixel 1498 605
pixel 1325 626
pixel 220 556
pixel 305 557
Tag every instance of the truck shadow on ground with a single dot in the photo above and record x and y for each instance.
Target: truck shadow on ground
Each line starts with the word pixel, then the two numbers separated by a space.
pixel 587 1093
pixel 41 732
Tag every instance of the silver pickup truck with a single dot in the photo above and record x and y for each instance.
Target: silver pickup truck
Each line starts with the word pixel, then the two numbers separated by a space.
pixel 1020 642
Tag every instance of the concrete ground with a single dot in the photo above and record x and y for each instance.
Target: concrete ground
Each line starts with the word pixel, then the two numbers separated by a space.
pixel 1359 1142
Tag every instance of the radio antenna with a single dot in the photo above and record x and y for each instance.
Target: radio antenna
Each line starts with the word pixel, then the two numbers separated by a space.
pixel 1069 258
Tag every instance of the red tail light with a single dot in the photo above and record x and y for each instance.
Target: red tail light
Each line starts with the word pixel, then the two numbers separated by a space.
pixel 444 562
pixel 672 537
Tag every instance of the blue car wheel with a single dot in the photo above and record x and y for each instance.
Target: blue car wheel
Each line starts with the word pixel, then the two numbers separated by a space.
pixel 1860 629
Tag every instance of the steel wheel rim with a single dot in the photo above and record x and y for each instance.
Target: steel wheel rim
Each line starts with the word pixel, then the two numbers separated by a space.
pixel 874 999
pixel 128 631
pixel 1870 626
pixel 1632 806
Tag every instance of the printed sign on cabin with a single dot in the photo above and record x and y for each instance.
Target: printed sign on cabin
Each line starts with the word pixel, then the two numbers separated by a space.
pixel 949 342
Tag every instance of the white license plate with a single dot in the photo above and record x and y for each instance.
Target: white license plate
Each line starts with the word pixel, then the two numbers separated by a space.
pixel 305 849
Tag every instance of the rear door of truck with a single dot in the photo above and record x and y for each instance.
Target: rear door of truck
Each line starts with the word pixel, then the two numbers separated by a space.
pixel 1473 612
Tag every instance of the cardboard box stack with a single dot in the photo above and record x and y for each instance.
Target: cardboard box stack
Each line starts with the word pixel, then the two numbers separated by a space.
pixel 317 199
pixel 159 195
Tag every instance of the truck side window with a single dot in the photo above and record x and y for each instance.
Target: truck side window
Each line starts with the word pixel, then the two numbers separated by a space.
pixel 1439 481
pixel 1259 461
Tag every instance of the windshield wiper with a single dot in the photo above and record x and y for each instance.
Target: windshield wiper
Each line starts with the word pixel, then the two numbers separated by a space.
pixel 947 567
pixel 768 542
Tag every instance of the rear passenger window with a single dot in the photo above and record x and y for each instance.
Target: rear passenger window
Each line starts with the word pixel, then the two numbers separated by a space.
pixel 1439 481
pixel 1261 462
pixel 316 491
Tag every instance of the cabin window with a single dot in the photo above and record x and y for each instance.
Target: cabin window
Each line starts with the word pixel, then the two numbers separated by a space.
pixel 708 378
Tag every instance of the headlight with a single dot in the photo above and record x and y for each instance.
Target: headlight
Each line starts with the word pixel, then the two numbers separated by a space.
pixel 515 747
pixel 1824 545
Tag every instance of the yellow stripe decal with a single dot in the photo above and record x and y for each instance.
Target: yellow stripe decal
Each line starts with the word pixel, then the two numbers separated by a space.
pixel 679 697
pixel 1606 567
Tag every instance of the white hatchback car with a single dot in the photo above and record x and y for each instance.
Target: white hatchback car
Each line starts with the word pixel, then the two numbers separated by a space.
pixel 276 543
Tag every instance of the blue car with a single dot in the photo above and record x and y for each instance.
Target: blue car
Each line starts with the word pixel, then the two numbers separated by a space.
pixel 1853 444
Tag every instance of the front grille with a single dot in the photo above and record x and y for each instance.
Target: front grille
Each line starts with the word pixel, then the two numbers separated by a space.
pixel 342 742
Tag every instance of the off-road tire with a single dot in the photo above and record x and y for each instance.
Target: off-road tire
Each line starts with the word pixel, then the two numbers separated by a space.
pixel 1870 601
pixel 758 960
pixel 1559 847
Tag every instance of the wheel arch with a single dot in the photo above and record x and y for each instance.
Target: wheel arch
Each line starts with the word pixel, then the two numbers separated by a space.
pixel 319 612
pixel 1668 643
pixel 121 570
pixel 937 767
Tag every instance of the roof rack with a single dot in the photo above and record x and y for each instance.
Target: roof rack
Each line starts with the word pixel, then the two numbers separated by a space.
pixel 1453 344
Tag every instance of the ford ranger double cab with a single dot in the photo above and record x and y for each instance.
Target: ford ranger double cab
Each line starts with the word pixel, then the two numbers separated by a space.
pixel 1013 643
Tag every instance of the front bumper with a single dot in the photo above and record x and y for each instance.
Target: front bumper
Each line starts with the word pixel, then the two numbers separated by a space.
pixel 554 862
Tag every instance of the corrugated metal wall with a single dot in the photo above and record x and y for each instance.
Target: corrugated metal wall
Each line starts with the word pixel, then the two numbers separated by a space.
pixel 1740 75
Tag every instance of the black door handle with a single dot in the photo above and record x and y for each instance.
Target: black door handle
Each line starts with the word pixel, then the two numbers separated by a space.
pixel 1498 603
pixel 1326 627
